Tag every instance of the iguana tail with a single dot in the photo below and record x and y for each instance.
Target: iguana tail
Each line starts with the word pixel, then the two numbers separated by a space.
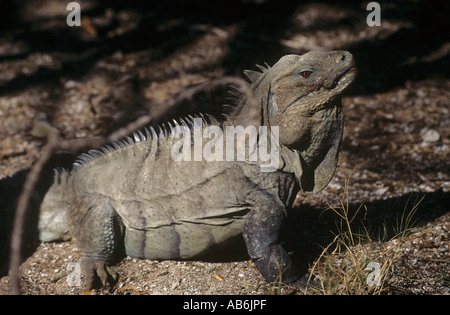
pixel 53 224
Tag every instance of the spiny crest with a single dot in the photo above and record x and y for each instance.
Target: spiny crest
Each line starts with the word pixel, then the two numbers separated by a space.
pixel 254 76
pixel 162 131
pixel 236 95
pixel 59 174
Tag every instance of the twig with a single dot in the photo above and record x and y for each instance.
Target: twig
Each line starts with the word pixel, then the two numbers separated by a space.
pixel 24 199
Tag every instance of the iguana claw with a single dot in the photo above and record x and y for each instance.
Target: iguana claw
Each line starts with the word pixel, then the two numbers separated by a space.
pixel 97 268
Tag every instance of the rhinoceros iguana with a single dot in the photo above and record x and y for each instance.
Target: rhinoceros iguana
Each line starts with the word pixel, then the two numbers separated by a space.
pixel 158 196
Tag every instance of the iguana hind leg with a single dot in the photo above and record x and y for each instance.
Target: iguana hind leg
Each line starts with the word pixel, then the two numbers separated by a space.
pixel 98 231
pixel 261 235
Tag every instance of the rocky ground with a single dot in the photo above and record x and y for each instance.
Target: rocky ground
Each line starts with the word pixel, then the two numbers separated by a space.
pixel 129 59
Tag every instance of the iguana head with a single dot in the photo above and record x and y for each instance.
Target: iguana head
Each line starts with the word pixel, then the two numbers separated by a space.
pixel 301 95
pixel 301 87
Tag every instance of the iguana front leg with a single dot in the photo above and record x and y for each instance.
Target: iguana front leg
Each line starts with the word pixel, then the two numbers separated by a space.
pixel 261 235
pixel 98 231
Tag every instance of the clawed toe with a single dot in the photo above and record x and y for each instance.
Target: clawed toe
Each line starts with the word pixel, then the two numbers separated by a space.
pixel 95 269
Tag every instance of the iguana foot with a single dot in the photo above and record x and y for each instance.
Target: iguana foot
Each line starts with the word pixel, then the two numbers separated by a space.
pixel 97 269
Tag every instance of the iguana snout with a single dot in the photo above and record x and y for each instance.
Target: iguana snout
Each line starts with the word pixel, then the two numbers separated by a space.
pixel 343 66
pixel 312 80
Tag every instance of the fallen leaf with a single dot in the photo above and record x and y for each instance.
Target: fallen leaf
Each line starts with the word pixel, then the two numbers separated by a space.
pixel 219 277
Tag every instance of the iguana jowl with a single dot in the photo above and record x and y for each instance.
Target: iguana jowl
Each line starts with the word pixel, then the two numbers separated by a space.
pixel 133 198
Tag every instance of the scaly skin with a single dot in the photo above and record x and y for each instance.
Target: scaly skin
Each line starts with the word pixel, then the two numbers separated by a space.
pixel 134 198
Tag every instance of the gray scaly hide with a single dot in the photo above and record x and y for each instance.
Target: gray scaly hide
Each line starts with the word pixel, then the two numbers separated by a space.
pixel 132 196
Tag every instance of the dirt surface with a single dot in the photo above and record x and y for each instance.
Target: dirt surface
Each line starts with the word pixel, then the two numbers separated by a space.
pixel 129 57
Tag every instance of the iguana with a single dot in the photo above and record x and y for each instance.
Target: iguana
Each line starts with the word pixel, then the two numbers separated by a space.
pixel 133 197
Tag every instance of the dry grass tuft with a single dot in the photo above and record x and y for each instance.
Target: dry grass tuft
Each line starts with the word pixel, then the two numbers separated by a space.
pixel 354 263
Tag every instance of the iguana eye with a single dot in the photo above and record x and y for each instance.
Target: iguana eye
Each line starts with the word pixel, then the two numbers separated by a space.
pixel 305 73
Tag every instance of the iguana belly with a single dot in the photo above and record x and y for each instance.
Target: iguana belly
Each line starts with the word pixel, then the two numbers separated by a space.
pixel 182 240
